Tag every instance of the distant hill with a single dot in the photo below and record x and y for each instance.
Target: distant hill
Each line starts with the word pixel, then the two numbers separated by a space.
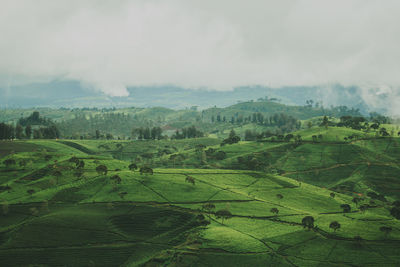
pixel 73 94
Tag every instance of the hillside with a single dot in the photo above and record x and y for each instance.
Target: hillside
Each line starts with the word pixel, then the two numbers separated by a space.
pixel 353 166
pixel 263 115
pixel 55 213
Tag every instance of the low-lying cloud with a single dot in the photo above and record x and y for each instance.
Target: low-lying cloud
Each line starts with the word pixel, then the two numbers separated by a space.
pixel 109 45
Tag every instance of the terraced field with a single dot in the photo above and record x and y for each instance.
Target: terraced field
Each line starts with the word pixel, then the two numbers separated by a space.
pixel 56 214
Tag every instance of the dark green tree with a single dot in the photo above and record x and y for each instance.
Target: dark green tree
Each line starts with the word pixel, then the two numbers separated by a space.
pixel 224 214
pixel 308 222
pixel 334 225
pixel 28 131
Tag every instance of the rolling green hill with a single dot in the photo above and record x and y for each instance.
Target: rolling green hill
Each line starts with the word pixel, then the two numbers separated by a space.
pixel 54 213
pixel 360 165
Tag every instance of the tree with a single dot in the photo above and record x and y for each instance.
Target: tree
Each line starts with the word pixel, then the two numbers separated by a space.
pixel 308 222
pixel 28 131
pixel 122 194
pixel 232 139
pixel 395 212
pixel 314 138
pixel 274 211
pixel 97 134
pixel 102 169
pixel 334 225
pixel 288 137
pixel 132 167
pixel 19 131
pixel 224 214
pixel 7 132
pixel 37 134
pixel 346 208
pixel 30 191
pixel 325 122
pixel 109 136
pixel 146 170
pixel 386 230
pixel 190 179
pixel 117 180
pixel 383 132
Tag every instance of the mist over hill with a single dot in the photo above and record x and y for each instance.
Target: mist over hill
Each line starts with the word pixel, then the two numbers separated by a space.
pixel 72 94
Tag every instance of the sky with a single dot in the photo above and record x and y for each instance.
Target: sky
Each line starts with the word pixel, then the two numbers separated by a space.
pixel 110 45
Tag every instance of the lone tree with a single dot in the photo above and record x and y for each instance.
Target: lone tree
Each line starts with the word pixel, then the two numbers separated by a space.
pixel 122 194
pixel 332 195
pixel 223 214
pixel 386 230
pixel 132 167
pixel 28 131
pixel 275 211
pixel 116 179
pixel 30 191
pixel 334 225
pixel 102 169
pixel 190 179
pixel 146 170
pixel 279 197
pixel 346 208
pixel 308 222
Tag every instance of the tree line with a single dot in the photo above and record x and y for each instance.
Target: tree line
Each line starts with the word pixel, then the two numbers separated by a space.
pixel 43 128
pixel 9 132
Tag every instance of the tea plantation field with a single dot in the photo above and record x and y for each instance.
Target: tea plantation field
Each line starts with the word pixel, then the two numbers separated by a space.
pixel 58 211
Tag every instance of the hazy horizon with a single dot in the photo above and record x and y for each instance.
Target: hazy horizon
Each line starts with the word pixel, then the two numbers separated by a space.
pixel 108 47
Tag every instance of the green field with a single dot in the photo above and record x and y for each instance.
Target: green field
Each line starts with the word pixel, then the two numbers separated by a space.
pixel 151 220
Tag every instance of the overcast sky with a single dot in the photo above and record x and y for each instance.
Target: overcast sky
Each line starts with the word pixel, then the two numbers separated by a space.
pixel 216 44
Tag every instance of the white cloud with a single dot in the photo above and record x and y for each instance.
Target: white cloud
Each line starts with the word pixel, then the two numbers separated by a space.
pixel 214 44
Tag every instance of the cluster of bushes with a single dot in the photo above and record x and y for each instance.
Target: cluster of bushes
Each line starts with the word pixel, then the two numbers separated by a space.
pixel 232 139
